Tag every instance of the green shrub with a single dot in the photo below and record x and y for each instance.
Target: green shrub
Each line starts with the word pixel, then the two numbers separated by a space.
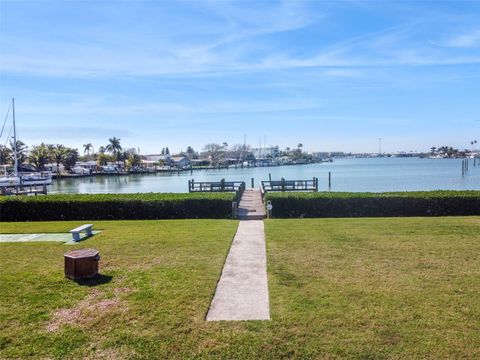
pixel 333 204
pixel 116 206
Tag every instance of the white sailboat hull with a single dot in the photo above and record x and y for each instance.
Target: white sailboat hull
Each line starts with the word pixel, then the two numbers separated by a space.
pixel 26 180
pixel 9 181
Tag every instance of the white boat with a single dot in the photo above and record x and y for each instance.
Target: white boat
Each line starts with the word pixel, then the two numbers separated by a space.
pixel 30 179
pixel 80 170
pixel 41 178
pixel 7 181
pixel 24 179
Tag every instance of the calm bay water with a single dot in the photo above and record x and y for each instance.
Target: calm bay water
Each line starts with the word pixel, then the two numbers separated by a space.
pixel 373 175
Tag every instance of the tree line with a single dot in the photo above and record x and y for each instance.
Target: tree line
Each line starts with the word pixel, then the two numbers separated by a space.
pixel 39 155
pixel 43 154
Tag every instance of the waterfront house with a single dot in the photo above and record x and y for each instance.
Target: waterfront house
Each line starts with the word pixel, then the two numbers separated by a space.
pixel 88 165
pixel 158 158
pixel 180 161
pixel 53 168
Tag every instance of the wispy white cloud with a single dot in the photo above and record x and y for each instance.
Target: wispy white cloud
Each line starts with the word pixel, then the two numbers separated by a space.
pixel 72 132
pixel 138 51
pixel 470 39
pixel 232 44
pixel 94 107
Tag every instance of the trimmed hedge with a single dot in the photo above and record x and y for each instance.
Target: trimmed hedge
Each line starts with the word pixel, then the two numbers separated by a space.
pixel 339 204
pixel 116 206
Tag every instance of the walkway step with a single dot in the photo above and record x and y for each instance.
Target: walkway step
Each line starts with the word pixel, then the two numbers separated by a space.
pixel 242 292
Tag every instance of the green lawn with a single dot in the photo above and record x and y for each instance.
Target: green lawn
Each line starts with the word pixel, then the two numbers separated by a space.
pixel 357 288
pixel 377 288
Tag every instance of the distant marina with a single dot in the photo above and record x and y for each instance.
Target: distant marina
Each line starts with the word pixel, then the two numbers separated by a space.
pixel 349 174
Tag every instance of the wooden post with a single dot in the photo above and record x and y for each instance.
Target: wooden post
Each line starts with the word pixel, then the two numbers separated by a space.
pixel 315 182
pixel 283 184
pixel 269 176
pixel 463 167
pixel 329 180
pixel 253 183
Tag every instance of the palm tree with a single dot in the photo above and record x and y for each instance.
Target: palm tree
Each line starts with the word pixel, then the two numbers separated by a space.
pixel 134 160
pixel 58 154
pixel 87 148
pixel 39 156
pixel 114 145
pixel 102 150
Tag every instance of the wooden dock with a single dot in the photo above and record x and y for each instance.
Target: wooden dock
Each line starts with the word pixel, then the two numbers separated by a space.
pixel 24 190
pixel 290 185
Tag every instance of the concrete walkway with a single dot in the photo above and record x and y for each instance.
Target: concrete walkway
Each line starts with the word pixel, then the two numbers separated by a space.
pixel 55 237
pixel 242 292
pixel 251 205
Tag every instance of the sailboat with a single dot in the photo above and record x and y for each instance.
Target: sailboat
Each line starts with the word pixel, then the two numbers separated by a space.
pixel 23 179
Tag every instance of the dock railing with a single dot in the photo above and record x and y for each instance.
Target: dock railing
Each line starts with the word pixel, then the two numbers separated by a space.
pixel 237 187
pixel 290 185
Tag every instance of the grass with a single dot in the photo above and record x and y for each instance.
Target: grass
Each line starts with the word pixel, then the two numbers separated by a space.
pixel 339 288
pixel 376 288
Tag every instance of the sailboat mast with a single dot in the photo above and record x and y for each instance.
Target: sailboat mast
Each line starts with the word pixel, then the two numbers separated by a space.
pixel 14 139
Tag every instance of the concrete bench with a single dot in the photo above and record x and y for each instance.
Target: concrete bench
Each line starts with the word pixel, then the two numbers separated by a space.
pixel 76 232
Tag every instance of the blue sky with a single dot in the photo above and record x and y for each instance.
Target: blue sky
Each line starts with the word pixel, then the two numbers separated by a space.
pixel 333 75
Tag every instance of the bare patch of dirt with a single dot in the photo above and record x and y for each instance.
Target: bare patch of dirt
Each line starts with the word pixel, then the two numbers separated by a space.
pixel 122 290
pixel 112 354
pixel 87 310
pixel 64 316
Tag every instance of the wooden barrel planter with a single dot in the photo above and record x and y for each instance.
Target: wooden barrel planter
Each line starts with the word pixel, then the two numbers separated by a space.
pixel 81 264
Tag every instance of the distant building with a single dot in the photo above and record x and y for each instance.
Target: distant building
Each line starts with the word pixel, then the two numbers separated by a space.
pixel 180 161
pixel 89 165
pixel 53 167
pixel 320 155
pixel 263 152
pixel 158 157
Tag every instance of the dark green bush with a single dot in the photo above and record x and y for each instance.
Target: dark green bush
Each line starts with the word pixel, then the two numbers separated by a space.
pixel 116 206
pixel 333 204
